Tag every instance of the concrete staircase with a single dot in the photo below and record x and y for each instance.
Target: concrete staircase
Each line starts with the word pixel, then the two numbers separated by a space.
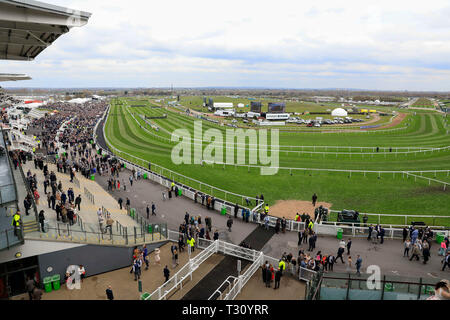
pixel 86 230
pixel 30 226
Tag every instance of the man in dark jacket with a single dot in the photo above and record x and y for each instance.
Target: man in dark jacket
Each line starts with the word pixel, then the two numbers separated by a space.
pixel 166 274
pixel 268 277
pixel 340 253
pixel 27 205
pixel 236 209
pixel 42 219
pixel 369 237
pixel 78 202
pixel 314 199
pixel 264 272
pixel 46 184
pixel 349 245
pixel 381 234
pixel 109 293
pixel 426 254
pixel 278 275
pixel 312 243
pixel 229 223
pixel 405 234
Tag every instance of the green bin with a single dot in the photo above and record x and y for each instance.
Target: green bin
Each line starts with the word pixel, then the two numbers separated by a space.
pixel 124 165
pixel 132 212
pixel 145 295
pixel 428 290
pixel 145 175
pixel 339 233
pixel 150 228
pixel 223 211
pixel 92 177
pixel 56 281
pixel 47 284
pixel 439 237
pixel 389 287
pixel 180 192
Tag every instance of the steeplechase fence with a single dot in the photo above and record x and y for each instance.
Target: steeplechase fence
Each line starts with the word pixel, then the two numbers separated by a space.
pixel 327 150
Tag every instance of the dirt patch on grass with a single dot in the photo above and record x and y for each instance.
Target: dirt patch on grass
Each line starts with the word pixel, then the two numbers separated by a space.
pixel 289 208
pixel 399 118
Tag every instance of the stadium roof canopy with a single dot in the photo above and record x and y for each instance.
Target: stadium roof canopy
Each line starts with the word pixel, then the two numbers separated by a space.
pixel 13 77
pixel 27 27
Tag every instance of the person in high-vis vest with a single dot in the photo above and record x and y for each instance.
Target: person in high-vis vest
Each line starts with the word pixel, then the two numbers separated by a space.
pixel 282 265
pixel 266 209
pixel 171 186
pixel 310 225
pixel 191 241
pixel 16 221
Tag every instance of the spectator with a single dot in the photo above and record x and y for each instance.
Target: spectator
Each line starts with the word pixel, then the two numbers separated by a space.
pixel 166 274
pixel 109 293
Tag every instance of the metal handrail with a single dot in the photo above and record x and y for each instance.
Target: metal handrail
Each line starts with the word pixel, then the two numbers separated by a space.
pixel 227 289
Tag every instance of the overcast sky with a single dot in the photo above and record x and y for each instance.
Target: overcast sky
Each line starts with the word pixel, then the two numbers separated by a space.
pixel 380 45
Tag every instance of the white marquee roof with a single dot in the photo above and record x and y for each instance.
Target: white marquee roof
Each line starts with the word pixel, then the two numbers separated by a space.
pixel 339 112
pixel 13 77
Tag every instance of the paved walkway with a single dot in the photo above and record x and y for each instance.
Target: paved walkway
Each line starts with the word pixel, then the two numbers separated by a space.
pixel 88 231
pixel 172 211
pixel 122 282
pixel 389 255
pixel 227 267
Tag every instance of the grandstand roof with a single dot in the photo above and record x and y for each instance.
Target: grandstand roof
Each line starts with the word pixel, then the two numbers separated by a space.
pixel 27 27
pixel 13 77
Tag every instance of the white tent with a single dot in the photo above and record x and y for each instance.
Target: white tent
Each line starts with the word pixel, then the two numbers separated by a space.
pixel 240 105
pixel 79 100
pixel 339 112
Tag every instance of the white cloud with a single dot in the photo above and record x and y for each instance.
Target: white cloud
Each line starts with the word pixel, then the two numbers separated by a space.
pixel 250 43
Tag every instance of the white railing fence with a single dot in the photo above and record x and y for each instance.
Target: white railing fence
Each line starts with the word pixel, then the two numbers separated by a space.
pixel 209 248
pixel 244 278
pixel 185 272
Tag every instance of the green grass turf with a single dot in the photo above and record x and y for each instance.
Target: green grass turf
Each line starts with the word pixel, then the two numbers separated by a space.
pixel 395 194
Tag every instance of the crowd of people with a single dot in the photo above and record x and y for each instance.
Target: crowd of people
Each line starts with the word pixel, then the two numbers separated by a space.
pixel 141 258
pixel 193 228
pixel 417 243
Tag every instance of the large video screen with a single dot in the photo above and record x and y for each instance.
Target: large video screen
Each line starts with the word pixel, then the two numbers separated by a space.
pixel 255 107
pixel 276 107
